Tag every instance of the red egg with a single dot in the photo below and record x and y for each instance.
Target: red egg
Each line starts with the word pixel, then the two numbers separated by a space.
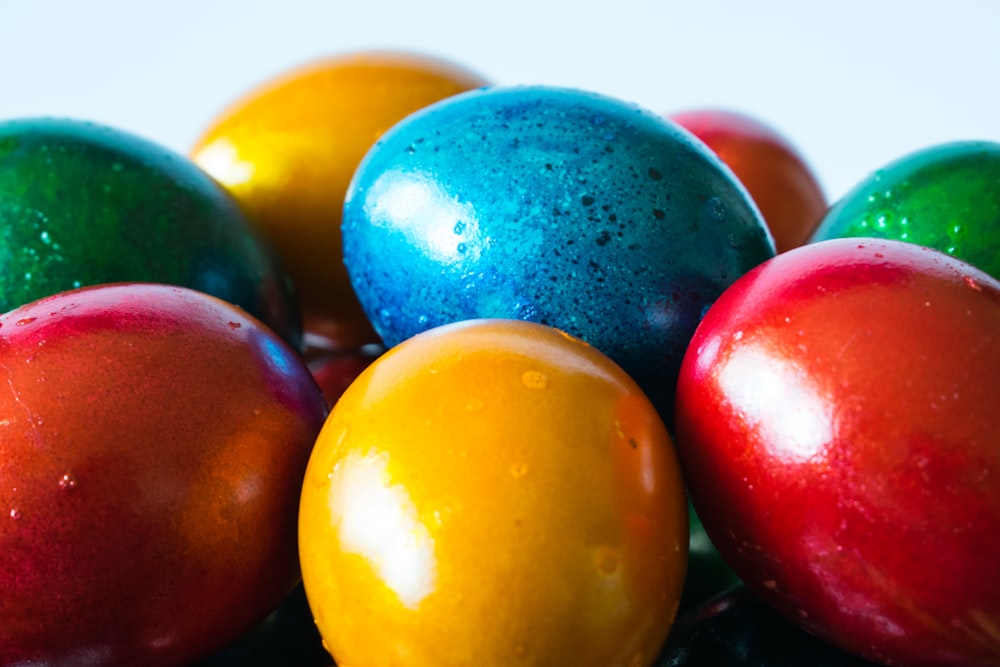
pixel 335 370
pixel 838 428
pixel 153 441
pixel 779 180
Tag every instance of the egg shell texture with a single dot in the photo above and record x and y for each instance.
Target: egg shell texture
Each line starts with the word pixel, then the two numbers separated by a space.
pixel 83 204
pixel 945 197
pixel 152 447
pixel 557 206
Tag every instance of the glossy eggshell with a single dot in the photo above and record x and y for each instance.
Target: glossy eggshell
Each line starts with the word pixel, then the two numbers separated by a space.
pixel 738 629
pixel 552 205
pixel 782 184
pixel 83 204
pixel 945 197
pixel 493 492
pixel 152 450
pixel 837 424
pixel 287 151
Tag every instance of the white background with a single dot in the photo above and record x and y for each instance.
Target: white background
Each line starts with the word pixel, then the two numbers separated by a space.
pixel 852 84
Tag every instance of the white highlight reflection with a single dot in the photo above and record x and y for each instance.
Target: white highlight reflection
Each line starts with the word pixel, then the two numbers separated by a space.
pixel 222 161
pixel 379 522
pixel 775 398
pixel 429 217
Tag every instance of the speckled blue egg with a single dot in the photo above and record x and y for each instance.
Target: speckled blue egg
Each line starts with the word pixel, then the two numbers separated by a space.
pixel 553 205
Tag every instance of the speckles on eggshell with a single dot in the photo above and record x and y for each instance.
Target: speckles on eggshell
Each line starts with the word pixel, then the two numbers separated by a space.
pixel 570 233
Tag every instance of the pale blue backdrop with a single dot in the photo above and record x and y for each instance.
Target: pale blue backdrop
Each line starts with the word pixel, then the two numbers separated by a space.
pixel 853 84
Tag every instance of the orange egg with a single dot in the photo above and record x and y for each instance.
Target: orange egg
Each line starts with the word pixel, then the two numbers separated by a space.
pixel 493 492
pixel 288 149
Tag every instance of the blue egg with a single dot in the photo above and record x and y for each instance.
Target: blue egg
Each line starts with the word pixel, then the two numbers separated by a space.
pixel 553 205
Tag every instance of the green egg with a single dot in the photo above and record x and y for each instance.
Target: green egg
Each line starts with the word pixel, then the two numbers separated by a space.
pixel 83 204
pixel 945 197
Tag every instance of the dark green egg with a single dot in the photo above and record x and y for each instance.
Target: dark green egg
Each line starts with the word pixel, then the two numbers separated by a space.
pixel 945 197
pixel 82 204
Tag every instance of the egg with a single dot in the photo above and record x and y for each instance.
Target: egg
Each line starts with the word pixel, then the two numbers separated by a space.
pixel 552 205
pixel 945 197
pixel 83 204
pixel 776 174
pixel 493 492
pixel 287 150
pixel 152 449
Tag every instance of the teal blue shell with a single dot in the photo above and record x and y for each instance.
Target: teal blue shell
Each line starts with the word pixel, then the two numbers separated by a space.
pixel 552 205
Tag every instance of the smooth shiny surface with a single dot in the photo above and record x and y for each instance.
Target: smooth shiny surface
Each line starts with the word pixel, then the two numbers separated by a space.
pixel 493 493
pixel 152 449
pixel 945 197
pixel 83 204
pixel 777 176
pixel 287 151
pixel 837 423
pixel 550 205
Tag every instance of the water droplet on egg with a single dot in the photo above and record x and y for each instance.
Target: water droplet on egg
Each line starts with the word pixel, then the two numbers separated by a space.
pixel 519 470
pixel 534 379
pixel 715 210
pixel 607 561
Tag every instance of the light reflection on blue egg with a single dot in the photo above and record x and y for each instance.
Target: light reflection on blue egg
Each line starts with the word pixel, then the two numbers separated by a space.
pixel 554 205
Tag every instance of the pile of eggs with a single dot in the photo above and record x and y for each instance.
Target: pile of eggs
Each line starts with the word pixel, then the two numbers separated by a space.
pixel 398 367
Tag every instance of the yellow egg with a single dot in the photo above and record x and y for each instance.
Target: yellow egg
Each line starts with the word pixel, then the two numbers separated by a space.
pixel 288 149
pixel 493 492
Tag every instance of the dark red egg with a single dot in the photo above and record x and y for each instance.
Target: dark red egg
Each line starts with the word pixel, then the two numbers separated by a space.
pixel 153 441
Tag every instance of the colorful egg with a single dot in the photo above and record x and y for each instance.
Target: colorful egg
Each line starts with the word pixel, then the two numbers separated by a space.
pixel 288 149
pixel 837 424
pixel 493 492
pixel 945 197
pixel 557 206
pixel 152 449
pixel 83 204
pixel 781 183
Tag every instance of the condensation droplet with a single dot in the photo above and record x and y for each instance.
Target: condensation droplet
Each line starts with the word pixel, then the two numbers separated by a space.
pixel 534 379
pixel 715 210
pixel 67 482
pixel 15 514
pixel 606 560
pixel 519 470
